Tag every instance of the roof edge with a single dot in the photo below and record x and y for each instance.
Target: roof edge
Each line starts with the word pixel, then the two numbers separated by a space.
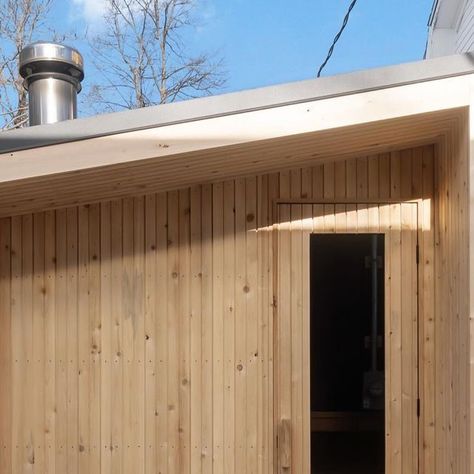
pixel 433 13
pixel 237 102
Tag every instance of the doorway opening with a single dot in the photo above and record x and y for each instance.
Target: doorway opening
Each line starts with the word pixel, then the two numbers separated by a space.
pixel 347 310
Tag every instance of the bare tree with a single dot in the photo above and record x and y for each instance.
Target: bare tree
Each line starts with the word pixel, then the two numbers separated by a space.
pixel 21 22
pixel 142 58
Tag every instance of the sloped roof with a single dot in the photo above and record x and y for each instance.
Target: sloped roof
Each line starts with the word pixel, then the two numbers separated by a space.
pixel 236 103
pixel 246 133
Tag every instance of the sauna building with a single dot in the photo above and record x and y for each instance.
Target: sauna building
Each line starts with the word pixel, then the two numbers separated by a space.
pixel 277 280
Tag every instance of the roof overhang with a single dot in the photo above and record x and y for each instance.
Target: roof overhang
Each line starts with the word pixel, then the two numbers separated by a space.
pixel 235 135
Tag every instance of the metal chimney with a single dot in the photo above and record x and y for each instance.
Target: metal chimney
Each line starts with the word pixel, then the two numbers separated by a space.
pixel 53 75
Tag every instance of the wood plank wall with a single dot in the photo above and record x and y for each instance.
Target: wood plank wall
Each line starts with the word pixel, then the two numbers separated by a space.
pixel 453 352
pixel 139 332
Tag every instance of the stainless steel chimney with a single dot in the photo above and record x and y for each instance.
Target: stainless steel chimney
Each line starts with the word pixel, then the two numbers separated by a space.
pixel 53 75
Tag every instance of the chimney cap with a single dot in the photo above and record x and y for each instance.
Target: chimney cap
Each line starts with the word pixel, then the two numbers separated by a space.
pixel 42 55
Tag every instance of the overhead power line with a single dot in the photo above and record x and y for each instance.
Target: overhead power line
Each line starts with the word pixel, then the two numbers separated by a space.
pixel 336 38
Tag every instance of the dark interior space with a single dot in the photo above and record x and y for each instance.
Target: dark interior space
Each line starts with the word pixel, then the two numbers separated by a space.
pixel 347 354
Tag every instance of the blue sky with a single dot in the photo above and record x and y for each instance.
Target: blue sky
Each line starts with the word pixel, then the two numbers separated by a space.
pixel 266 42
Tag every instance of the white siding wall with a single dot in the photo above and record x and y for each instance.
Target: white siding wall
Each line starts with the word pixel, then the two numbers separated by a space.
pixel 451 28
pixel 465 29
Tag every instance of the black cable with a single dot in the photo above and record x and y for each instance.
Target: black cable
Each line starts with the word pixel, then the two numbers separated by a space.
pixel 336 38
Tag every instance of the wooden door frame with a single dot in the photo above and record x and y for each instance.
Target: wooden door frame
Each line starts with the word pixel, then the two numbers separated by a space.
pixel 282 430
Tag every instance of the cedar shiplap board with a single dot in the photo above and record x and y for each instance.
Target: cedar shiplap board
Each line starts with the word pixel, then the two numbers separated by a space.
pixel 240 330
pixel 84 347
pixel 106 391
pixel 218 327
pixel 229 326
pixel 16 331
pixel 283 344
pixel 60 342
pixel 129 325
pixel 262 405
pixel 161 407
pixel 206 334
pixel 137 397
pixel 307 227
pixel 251 293
pixel 49 342
pixel 28 435
pixel 464 305
pixel 427 305
pixel 440 303
pixel 173 336
pixel 296 317
pixel 273 187
pixel 184 330
pixel 95 330
pixel 196 330
pixel 116 330
pixel 95 272
pixel 38 360
pixel 151 377
pixel 6 401
pixel 72 318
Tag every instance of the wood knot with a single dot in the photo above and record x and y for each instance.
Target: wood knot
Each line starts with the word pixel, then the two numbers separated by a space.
pixel 250 217
pixel 246 289
pixel 174 274
pixel 240 367
pixel 81 448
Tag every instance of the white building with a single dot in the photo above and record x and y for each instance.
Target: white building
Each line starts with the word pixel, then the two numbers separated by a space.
pixel 451 28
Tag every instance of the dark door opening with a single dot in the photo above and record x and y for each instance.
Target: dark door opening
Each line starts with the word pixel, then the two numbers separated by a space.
pixel 347 354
